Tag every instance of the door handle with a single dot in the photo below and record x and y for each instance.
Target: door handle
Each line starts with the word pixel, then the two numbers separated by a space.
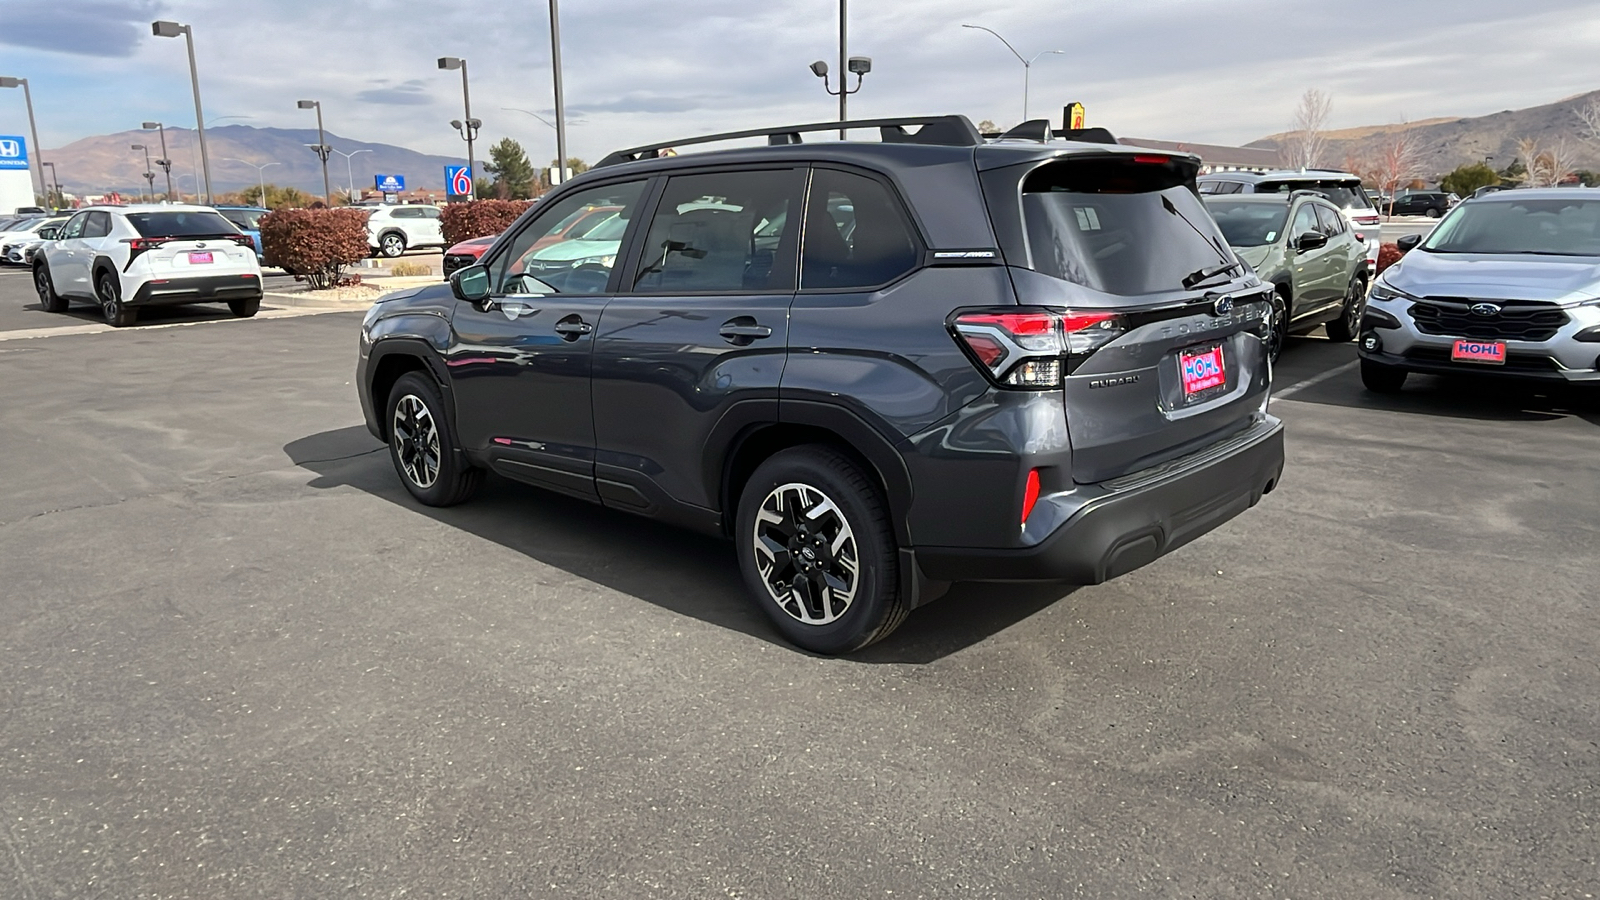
pixel 572 328
pixel 743 330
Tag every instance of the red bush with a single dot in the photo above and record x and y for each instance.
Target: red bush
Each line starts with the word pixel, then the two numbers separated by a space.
pixel 315 243
pixel 1388 255
pixel 476 218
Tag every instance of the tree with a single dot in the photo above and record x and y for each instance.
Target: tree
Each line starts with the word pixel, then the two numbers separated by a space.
pixel 1466 179
pixel 987 126
pixel 1589 121
pixel 576 165
pixel 514 176
pixel 1546 166
pixel 277 197
pixel 1306 142
pixel 1397 163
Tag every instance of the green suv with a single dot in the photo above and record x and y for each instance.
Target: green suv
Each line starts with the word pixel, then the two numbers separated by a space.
pixel 1303 246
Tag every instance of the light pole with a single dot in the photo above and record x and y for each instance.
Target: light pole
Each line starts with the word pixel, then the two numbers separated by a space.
pixel 55 180
pixel 321 148
pixel 469 126
pixel 859 65
pixel 149 174
pixel 1027 64
pixel 173 29
pixel 261 171
pixel 349 172
pixel 33 130
pixel 561 106
pixel 164 162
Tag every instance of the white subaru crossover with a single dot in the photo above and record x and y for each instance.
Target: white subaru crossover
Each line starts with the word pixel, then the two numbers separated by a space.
pixel 124 257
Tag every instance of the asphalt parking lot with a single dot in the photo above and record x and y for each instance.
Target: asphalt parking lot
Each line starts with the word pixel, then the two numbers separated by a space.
pixel 239 662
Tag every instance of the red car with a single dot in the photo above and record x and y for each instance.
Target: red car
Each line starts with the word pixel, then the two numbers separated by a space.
pixel 466 253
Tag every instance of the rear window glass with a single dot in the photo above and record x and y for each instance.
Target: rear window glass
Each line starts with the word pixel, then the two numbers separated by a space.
pixel 1343 194
pixel 181 223
pixel 1121 227
pixel 1246 223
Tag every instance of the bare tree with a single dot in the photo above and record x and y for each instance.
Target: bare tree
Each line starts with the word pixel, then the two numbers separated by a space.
pixel 1528 151
pixel 1306 142
pixel 1589 120
pixel 1547 167
pixel 1397 162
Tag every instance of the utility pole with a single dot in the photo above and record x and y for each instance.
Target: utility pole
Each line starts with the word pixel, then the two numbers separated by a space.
pixel 321 148
pixel 173 29
pixel 561 112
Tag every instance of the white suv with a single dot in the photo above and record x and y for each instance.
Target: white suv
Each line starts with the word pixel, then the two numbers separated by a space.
pixel 393 229
pixel 123 257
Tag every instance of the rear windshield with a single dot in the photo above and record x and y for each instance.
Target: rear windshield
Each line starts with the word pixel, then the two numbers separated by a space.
pixel 1120 226
pixel 184 223
pixel 1248 224
pixel 1540 226
pixel 1343 194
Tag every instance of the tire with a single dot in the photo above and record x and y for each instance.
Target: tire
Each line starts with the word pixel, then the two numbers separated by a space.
pixel 244 309
pixel 108 290
pixel 48 298
pixel 1278 328
pixel 1345 327
pixel 392 244
pixel 423 446
pixel 1431 212
pixel 799 569
pixel 1382 379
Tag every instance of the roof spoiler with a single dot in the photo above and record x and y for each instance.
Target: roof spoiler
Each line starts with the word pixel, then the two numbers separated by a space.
pixel 1039 130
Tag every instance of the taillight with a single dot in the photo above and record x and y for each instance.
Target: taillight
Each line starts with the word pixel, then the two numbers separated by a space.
pixel 1365 220
pixel 243 240
pixel 141 244
pixel 1030 347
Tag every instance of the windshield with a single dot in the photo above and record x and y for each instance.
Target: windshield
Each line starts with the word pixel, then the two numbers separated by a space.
pixel 1119 226
pixel 1556 226
pixel 1343 194
pixel 181 224
pixel 1248 224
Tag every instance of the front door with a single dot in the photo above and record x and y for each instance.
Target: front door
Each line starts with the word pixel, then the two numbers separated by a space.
pixel 697 344
pixel 69 259
pixel 519 362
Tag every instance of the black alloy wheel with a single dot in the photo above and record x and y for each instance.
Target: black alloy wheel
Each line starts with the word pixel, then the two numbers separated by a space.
pixel 1345 327
pixel 423 448
pixel 109 290
pixel 1277 326
pixel 817 551
pixel 48 298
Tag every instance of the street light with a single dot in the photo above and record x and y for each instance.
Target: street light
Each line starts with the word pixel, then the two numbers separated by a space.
pixel 857 65
pixel 469 128
pixel 261 171
pixel 173 29
pixel 149 174
pixel 1027 64
pixel 561 106
pixel 33 130
pixel 320 147
pixel 165 162
pixel 350 173
pixel 55 180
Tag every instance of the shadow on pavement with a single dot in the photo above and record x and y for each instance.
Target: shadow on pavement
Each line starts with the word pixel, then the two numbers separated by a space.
pixel 1463 397
pixel 82 311
pixel 688 573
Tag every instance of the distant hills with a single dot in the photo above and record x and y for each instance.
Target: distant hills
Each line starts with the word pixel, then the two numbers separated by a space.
pixel 1446 143
pixel 103 162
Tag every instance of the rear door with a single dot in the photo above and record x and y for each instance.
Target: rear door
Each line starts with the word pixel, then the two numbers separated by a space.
pixel 428 228
pixel 1165 326
pixel 700 335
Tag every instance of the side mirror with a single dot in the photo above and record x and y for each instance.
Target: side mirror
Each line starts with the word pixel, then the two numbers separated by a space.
pixel 1310 240
pixel 470 283
pixel 1408 242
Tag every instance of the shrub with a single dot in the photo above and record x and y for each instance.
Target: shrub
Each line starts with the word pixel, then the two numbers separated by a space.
pixel 315 244
pixel 1388 255
pixel 410 269
pixel 476 218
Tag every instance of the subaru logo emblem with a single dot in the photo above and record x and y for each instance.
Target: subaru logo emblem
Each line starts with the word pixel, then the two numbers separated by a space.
pixel 1222 306
pixel 1485 309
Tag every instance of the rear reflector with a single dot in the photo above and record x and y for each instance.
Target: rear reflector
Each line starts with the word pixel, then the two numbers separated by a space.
pixel 1030 494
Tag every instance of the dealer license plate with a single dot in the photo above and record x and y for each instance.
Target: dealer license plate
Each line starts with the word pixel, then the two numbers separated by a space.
pixel 1202 369
pixel 1491 353
pixel 197 257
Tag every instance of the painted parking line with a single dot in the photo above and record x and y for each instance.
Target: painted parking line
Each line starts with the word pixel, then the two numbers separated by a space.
pixel 1315 380
pixel 100 327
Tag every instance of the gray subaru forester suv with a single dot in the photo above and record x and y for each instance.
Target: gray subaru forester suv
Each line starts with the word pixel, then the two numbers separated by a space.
pixel 878 367
pixel 1507 285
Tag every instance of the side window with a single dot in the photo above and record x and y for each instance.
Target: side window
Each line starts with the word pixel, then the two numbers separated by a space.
pixel 1332 222
pixel 99 225
pixel 404 213
pixel 724 231
pixel 1305 219
pixel 428 212
pixel 1210 187
pixel 74 228
pixel 856 236
pixel 544 257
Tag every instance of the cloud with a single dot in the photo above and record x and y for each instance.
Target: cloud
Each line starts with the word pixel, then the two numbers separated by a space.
pixel 640 103
pixel 105 28
pixel 409 93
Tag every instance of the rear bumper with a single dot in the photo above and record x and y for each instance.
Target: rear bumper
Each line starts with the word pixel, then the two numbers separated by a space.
pixel 214 288
pixel 1133 520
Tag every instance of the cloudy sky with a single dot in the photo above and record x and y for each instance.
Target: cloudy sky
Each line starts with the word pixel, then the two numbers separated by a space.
pixel 1224 71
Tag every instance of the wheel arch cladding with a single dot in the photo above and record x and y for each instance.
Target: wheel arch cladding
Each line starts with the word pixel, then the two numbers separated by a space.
pixel 387 367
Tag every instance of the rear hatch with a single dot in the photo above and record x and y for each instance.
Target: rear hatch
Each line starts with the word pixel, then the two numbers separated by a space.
pixel 1345 193
pixel 1164 326
pixel 190 244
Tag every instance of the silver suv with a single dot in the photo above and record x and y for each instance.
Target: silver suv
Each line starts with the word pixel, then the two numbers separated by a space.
pixel 1507 284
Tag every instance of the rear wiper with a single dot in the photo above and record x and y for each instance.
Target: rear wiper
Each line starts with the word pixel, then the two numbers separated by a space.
pixel 1193 279
pixel 1199 275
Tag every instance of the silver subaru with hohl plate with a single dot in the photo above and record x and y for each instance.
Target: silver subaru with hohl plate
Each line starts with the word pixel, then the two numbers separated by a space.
pixel 1507 285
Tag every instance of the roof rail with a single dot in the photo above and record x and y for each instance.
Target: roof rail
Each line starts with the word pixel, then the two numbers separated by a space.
pixel 949 131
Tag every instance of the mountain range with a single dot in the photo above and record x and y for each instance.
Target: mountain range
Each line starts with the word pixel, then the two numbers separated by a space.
pixel 106 162
pixel 1447 142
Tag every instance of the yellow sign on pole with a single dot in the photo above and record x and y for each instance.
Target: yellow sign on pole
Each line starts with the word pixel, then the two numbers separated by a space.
pixel 1073 114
